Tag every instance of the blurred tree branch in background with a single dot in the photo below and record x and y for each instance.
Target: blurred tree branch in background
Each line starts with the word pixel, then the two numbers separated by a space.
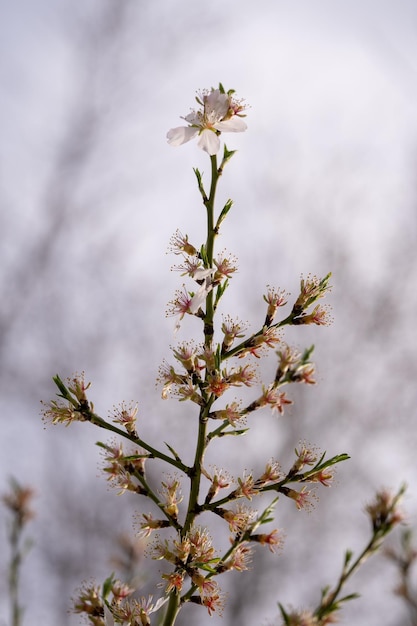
pixel 18 502
pixel 64 258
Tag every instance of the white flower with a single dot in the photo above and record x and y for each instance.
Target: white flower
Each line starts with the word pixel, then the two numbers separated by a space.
pixel 220 112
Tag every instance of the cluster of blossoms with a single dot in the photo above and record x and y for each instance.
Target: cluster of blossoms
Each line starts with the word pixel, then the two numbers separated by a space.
pixel 203 376
pixel 195 557
pixel 90 602
pixel 57 411
pixel 192 385
pixel 207 278
pixel 119 608
pixel 312 289
pixel 124 470
pixel 192 555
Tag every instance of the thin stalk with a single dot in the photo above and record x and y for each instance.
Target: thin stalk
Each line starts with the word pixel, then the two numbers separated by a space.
pixel 99 421
pixel 174 603
pixel 197 467
pixel 14 574
pixel 211 233
pixel 173 608
pixel 208 340
pixel 247 343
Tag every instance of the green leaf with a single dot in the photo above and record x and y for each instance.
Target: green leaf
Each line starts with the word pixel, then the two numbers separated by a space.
pixel 220 291
pixel 198 175
pixel 107 585
pixel 225 210
pixel 305 357
pixel 284 615
pixel 348 557
pixel 227 155
pixel 203 255
pixel 350 596
pixel 235 433
pixel 61 386
pixel 173 452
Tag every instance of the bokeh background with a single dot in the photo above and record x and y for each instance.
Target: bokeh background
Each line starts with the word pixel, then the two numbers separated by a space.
pixel 324 180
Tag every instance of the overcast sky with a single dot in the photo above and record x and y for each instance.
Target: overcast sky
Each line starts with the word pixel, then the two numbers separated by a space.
pixel 325 179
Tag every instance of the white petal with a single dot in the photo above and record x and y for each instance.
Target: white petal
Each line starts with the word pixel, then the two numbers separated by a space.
pixel 108 617
pixel 217 102
pixel 193 118
pixel 181 134
pixel 158 604
pixel 209 142
pixel 197 301
pixel 199 298
pixel 233 125
pixel 202 272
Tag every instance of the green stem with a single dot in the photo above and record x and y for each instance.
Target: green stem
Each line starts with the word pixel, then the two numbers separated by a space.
pixel 210 209
pixel 208 340
pixel 14 577
pixel 173 609
pixel 99 421
pixel 211 233
pixel 195 472
pixel 152 496
pixel 197 467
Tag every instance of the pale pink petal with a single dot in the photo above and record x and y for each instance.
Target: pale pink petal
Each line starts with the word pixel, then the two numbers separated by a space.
pixel 233 125
pixel 209 142
pixel 181 134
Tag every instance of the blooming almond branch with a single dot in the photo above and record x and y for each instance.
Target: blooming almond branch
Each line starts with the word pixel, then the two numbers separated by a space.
pixel 223 358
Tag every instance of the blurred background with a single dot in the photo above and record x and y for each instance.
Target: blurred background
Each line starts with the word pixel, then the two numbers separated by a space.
pixel 324 179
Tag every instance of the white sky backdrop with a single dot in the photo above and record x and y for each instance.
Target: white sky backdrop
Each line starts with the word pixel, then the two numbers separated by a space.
pixel 325 179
